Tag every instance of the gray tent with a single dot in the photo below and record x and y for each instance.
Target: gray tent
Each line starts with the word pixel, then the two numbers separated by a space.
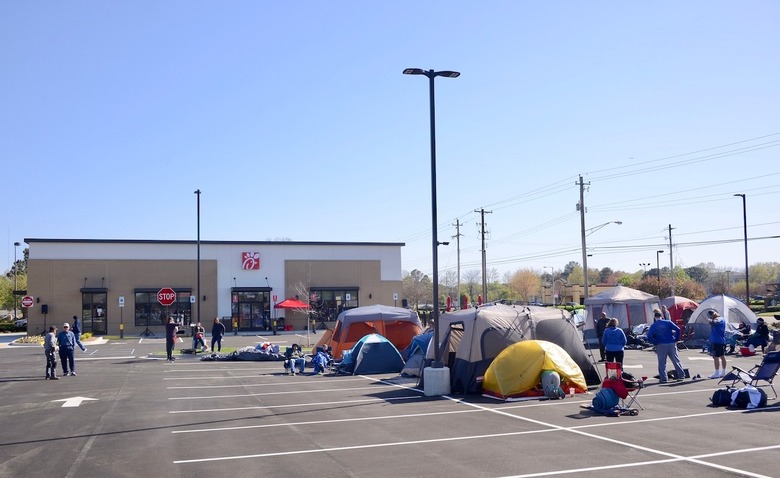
pixel 472 338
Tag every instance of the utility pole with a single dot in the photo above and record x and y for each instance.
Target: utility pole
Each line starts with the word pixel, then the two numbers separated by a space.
pixel 581 208
pixel 671 261
pixel 484 254
pixel 457 242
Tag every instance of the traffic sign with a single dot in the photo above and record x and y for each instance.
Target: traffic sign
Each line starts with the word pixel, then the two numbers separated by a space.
pixel 27 301
pixel 166 296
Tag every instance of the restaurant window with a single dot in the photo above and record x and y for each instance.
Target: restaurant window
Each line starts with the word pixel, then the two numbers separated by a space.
pixel 329 302
pixel 150 313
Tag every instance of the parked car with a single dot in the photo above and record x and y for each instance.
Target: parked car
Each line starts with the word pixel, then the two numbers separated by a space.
pixel 21 323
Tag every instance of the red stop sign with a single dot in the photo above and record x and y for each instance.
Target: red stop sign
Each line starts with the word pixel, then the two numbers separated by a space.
pixel 27 301
pixel 166 296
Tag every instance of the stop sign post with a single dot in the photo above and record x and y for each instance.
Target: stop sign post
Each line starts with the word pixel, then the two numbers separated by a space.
pixel 166 296
pixel 27 301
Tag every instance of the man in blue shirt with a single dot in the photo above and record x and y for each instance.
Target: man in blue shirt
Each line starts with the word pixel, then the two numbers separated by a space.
pixel 67 343
pixel 718 342
pixel 664 334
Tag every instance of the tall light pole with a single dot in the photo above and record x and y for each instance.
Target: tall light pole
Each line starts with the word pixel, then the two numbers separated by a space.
pixel 197 193
pixel 16 273
pixel 744 225
pixel 431 74
pixel 658 268
pixel 645 265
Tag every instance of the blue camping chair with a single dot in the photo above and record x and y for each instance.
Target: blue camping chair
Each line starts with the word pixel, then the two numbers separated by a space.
pixel 760 375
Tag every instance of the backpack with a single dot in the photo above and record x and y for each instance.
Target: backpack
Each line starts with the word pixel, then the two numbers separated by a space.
pixel 605 400
pixel 722 397
pixel 741 398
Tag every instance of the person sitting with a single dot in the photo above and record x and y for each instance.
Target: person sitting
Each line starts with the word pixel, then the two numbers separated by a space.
pixel 761 337
pixel 292 358
pixel 744 330
pixel 320 360
pixel 197 338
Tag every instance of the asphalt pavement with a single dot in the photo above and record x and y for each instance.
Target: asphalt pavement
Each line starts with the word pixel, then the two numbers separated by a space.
pixel 129 413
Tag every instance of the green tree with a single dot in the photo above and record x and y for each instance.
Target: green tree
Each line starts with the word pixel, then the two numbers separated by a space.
pixel 575 275
pixel 568 269
pixel 525 283
pixel 418 288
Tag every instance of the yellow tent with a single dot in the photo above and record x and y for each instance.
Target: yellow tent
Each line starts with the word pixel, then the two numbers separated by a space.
pixel 516 371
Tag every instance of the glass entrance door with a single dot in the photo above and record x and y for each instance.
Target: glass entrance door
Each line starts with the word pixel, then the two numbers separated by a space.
pixel 251 309
pixel 94 313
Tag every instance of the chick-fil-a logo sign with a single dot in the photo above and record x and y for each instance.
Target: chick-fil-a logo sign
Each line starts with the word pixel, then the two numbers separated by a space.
pixel 250 261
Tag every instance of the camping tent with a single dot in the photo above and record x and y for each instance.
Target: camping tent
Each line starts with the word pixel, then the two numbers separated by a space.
pixel 630 306
pixel 472 338
pixel 680 309
pixel 371 354
pixel 733 310
pixel 398 325
pixel 415 354
pixel 518 368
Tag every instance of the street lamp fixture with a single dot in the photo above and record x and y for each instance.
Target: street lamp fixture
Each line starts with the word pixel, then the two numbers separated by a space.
pixel 744 225
pixel 585 255
pixel 644 265
pixel 431 75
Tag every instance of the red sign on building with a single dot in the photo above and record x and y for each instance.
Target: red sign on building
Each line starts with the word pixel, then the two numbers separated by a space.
pixel 250 261
pixel 166 296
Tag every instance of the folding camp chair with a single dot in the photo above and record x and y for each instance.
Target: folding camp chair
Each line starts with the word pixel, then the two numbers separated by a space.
pixel 687 336
pixel 614 373
pixel 763 372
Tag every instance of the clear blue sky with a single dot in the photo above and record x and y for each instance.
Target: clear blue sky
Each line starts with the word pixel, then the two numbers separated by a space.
pixel 294 120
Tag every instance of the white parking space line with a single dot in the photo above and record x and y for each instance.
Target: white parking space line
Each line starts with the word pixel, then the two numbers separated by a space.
pixel 209 369
pixel 635 446
pixel 114 357
pixel 694 459
pixel 292 392
pixel 217 377
pixel 327 422
pixel 247 385
pixel 294 405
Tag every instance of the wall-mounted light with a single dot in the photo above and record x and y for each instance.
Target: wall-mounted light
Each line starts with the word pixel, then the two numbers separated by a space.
pixel 204 298
pixel 369 296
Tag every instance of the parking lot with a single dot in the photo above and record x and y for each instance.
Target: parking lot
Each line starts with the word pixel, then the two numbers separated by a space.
pixel 127 414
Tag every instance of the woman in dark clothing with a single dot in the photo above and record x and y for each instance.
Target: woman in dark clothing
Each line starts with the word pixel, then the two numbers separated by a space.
pixel 217 331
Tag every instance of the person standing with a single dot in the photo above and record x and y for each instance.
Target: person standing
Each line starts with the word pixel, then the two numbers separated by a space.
pixel 77 333
pixel 665 313
pixel 614 341
pixel 50 348
pixel 67 344
pixel 601 326
pixel 170 338
pixel 718 343
pixel 217 332
pixel 664 334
